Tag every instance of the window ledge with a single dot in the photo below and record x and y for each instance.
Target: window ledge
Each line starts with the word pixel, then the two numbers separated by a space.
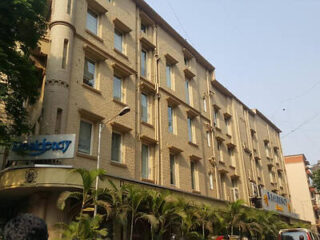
pixel 147 180
pixel 94 35
pixel 84 155
pixel 193 144
pixel 228 135
pixel 119 164
pixel 91 89
pixel 120 53
pixel 119 102
pixel 196 191
pixel 218 128
pixel 147 124
pixel 222 162
pixel 232 166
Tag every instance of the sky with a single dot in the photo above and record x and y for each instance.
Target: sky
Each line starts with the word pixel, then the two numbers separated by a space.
pixel 266 52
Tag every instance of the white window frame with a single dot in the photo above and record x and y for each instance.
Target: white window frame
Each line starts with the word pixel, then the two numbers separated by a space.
pixel 170 75
pixel 147 176
pixel 147 120
pixel 145 75
pixel 121 99
pixel 204 104
pixel 209 138
pixel 173 179
pixel 91 135
pixel 211 185
pixel 122 37
pixel 95 71
pixel 120 148
pixel 96 15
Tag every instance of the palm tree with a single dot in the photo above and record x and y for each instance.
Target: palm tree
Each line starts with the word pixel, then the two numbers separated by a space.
pixel 160 213
pixel 136 197
pixel 84 228
pixel 84 225
pixel 205 216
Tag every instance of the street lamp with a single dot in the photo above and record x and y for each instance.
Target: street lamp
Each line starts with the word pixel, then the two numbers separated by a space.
pixel 102 124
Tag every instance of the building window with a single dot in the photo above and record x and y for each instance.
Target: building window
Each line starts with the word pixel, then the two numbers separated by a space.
pixel 57 129
pixel 89 72
pixel 143 63
pixel 191 133
pixel 216 117
pixel 117 88
pixel 172 170
pixel 204 104
pixel 169 76
pixel 170 119
pixel 143 28
pixel 193 176
pixel 266 146
pixel 223 186
pixel 227 121
pixel 187 89
pixel 231 156
pixel 218 145
pixel 64 53
pixel 209 139
pixel 118 40
pixel 144 108
pixel 85 137
pixel 145 161
pixel 116 147
pixel 211 181
pixel 69 6
pixel 92 22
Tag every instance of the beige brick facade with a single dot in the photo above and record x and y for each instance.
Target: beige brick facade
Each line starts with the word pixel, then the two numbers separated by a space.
pixel 245 149
pixel 215 147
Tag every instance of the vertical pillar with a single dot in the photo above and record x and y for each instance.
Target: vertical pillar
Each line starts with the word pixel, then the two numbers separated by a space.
pixel 58 69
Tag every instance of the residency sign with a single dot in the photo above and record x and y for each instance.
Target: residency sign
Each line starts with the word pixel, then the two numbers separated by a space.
pixel 275 202
pixel 43 147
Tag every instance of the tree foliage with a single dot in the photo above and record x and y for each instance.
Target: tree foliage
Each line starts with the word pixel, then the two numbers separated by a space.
pixel 22 24
pixel 158 215
pixel 316 179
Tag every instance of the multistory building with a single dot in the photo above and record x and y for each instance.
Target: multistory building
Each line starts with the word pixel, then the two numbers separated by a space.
pixel 185 132
pixel 300 185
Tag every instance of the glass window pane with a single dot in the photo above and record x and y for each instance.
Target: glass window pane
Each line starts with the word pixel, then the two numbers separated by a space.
pixel 209 139
pixel 187 91
pixel 172 170
pixel 118 41
pixel 117 88
pixel 211 180
pixel 89 72
pixel 168 75
pixel 85 137
pixel 143 63
pixel 116 147
pixel 170 119
pixel 190 129
pixel 144 109
pixel 204 105
pixel 145 163
pixel 192 176
pixel 92 22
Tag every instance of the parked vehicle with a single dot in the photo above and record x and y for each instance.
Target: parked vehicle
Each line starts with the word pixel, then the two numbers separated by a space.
pixel 297 234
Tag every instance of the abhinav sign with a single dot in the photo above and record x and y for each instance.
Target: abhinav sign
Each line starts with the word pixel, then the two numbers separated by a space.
pixel 43 147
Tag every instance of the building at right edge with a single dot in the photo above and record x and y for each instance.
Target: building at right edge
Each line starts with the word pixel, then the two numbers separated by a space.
pixel 300 185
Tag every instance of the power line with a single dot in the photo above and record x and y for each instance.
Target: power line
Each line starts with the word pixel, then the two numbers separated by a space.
pixel 296 97
pixel 301 124
pixel 178 20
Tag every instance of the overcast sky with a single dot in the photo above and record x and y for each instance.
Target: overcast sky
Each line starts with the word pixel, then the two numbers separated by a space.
pixel 266 52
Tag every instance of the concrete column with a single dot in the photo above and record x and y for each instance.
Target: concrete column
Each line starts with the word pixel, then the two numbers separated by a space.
pixel 56 94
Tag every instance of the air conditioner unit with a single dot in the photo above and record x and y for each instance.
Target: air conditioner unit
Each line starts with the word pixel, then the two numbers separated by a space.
pixel 235 194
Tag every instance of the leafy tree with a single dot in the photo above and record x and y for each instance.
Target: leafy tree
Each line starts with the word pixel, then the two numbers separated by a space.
pixel 85 226
pixel 316 179
pixel 22 24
